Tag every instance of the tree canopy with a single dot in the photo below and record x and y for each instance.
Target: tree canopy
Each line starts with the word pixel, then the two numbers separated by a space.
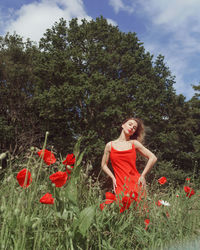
pixel 83 80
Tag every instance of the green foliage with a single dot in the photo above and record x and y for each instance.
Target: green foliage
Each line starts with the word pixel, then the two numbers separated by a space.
pixel 17 117
pixel 80 224
pixel 72 192
pixel 86 218
pixel 195 113
pixel 6 132
pixel 167 168
pixel 102 76
pixel 82 81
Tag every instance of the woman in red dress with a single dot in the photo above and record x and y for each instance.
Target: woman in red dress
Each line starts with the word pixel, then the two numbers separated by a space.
pixel 122 154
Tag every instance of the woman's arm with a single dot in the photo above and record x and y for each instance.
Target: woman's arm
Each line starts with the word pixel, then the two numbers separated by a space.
pixel 104 164
pixel 151 160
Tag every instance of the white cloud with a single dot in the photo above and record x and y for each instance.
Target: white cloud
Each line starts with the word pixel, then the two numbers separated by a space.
pixel 119 5
pixel 32 20
pixel 110 21
pixel 178 18
pixel 177 61
pixel 174 31
pixel 173 13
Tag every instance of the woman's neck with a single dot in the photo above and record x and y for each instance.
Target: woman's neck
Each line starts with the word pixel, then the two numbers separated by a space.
pixel 123 137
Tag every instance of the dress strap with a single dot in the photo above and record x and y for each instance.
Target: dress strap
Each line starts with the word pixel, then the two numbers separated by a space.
pixel 133 145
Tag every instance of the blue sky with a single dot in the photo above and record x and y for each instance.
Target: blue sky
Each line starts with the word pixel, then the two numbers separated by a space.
pixel 167 27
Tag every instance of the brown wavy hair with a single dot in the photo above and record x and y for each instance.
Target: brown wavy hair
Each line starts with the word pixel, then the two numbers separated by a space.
pixel 139 133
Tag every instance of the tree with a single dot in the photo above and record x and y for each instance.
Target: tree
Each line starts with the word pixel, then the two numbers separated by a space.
pixel 83 80
pixel 16 80
pixel 91 76
pixel 195 113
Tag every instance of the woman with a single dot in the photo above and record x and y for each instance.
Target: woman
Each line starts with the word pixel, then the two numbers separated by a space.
pixel 122 153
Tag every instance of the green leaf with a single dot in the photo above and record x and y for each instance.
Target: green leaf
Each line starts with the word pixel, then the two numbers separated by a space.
pixel 85 219
pixel 72 192
pixel 65 215
pixel 77 169
pixel 76 149
pixel 78 161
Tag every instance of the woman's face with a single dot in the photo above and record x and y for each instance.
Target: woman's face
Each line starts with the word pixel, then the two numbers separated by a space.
pixel 130 127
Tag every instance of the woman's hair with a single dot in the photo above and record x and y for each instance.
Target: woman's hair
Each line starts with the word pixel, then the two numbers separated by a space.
pixel 139 133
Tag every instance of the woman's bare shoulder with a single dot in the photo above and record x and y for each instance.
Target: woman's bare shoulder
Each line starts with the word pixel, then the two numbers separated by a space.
pixel 136 143
pixel 108 146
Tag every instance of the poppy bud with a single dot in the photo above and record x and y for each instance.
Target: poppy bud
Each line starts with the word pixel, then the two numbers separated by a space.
pixel 35 224
pixel 69 167
pixel 26 220
pixel 16 211
pixel 2 156
pixel 89 167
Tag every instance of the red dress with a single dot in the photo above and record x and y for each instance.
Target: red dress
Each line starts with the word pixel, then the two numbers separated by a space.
pixel 124 166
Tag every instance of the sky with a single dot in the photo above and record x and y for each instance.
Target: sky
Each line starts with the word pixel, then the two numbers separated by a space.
pixel 167 27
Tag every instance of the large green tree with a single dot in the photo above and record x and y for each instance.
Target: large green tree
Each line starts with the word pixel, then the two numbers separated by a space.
pixel 17 119
pixel 91 76
pixel 83 80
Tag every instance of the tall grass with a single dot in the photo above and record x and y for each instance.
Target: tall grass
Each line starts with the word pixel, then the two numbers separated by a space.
pixel 75 220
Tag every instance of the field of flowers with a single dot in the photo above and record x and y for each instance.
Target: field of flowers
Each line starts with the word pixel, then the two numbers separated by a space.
pixel 50 203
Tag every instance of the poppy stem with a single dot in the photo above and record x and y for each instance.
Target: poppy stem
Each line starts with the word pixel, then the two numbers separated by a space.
pixel 71 244
pixel 44 146
pixel 27 169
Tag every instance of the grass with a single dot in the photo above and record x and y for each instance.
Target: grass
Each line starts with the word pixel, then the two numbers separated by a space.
pixel 75 220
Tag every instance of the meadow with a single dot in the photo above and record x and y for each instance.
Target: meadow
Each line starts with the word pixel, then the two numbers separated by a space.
pixel 71 217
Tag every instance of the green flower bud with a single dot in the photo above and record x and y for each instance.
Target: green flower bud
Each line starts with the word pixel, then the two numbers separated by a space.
pixel 2 156
pixel 16 211
pixel 69 167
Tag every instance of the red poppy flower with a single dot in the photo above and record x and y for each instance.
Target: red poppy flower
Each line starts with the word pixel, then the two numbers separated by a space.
pixel 24 178
pixel 162 180
pixel 127 200
pixel 68 171
pixel 158 203
pixel 189 191
pixel 47 156
pixel 146 222
pixel 102 205
pixel 188 179
pixel 110 198
pixel 47 199
pixel 59 178
pixel 167 214
pixel 134 195
pixel 70 160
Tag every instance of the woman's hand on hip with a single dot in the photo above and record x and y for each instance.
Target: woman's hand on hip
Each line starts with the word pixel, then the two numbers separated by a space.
pixel 142 181
pixel 114 184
